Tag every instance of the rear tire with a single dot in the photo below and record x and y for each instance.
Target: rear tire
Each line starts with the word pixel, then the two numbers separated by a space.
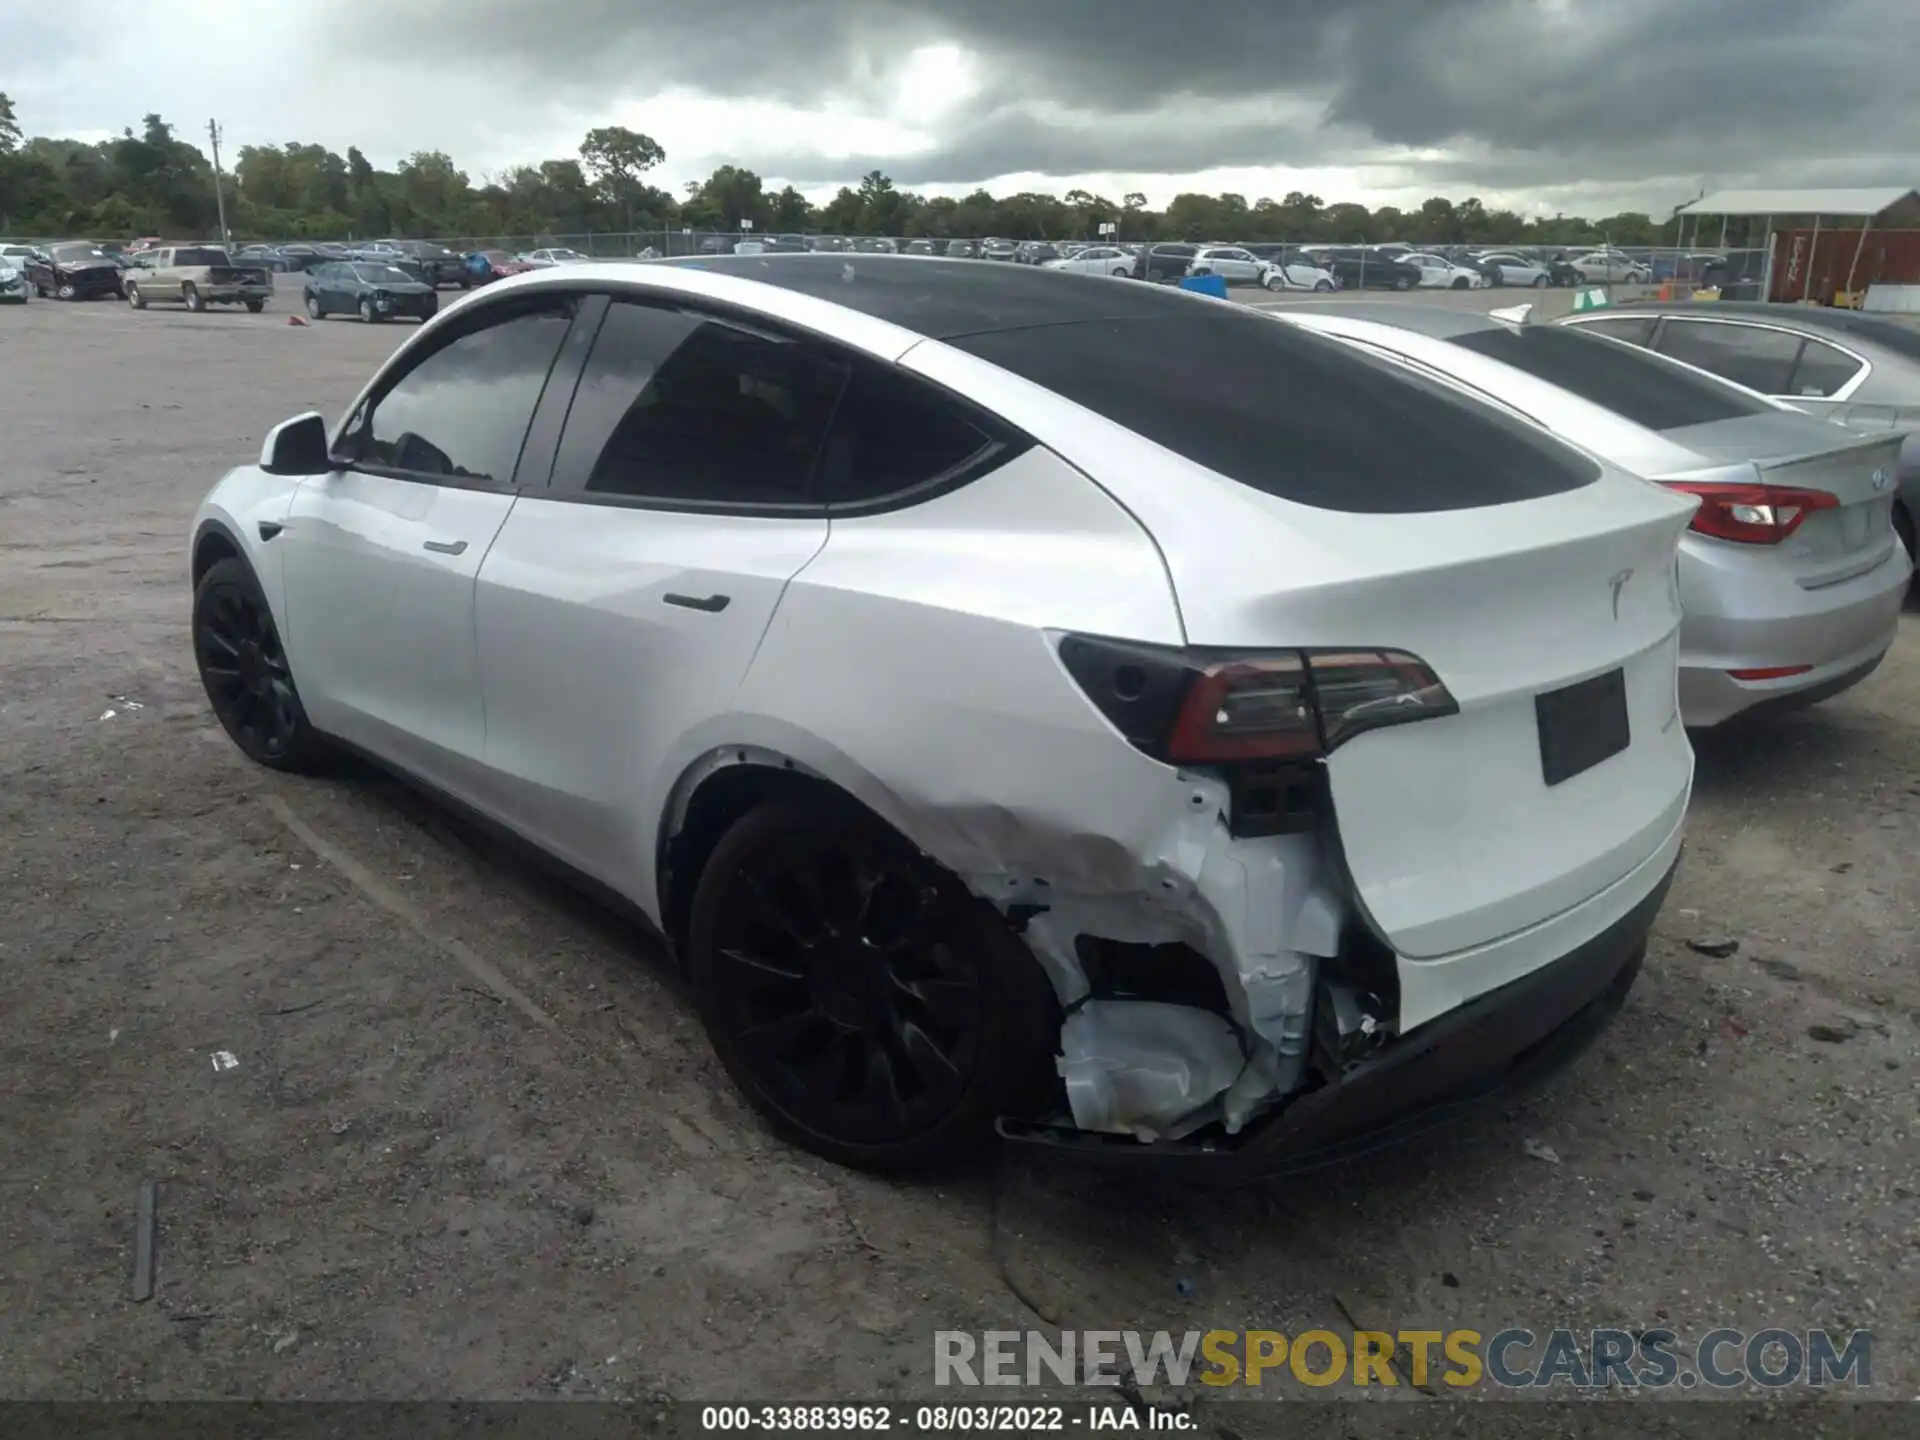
pixel 254 307
pixel 1323 287
pixel 1402 282
pixel 872 1009
pixel 1461 283
pixel 193 299
pixel 1540 282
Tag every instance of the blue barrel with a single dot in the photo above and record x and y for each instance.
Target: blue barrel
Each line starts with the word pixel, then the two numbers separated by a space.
pixel 1214 285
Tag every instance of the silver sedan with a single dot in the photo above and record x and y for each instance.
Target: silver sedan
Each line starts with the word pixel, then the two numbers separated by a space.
pixel 1790 577
pixel 1861 370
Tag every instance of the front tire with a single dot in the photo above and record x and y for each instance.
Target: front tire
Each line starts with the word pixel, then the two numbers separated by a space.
pixel 1402 282
pixel 314 308
pixel 1323 287
pixel 244 669
pixel 193 299
pixel 135 298
pixel 1461 283
pixel 872 1009
pixel 367 312
pixel 66 292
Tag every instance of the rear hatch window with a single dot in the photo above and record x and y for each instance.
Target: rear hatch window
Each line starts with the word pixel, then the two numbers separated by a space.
pixel 1630 382
pixel 1289 413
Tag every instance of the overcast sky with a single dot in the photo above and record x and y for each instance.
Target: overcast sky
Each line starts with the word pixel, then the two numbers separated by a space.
pixel 1585 106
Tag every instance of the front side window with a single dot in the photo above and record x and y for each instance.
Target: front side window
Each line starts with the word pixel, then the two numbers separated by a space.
pixel 1760 359
pixel 462 412
pixel 686 408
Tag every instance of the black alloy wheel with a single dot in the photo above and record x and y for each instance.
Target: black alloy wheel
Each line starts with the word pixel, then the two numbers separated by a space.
pixel 872 1009
pixel 244 669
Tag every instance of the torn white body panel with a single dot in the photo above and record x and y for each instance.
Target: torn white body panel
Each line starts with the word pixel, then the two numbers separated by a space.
pixel 1030 796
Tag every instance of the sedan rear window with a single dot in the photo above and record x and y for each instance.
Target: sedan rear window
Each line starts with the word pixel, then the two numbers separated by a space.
pixel 1631 382
pixel 1288 413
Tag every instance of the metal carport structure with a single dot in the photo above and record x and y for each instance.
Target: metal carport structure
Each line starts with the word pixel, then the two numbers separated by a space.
pixel 1864 205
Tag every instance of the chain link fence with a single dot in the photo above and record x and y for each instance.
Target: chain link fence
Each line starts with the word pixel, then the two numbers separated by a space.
pixel 1681 267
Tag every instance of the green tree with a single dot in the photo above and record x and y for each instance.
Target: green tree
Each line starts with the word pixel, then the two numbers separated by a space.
pixel 616 158
pixel 790 211
pixel 9 126
pixel 841 215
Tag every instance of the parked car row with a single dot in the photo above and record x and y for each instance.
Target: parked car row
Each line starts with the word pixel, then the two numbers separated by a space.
pixel 1288 779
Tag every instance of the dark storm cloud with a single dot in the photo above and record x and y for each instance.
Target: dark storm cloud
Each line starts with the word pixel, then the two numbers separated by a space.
pixel 1548 91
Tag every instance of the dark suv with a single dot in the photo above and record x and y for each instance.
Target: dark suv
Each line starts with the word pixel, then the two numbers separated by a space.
pixel 435 264
pixel 1164 263
pixel 1356 268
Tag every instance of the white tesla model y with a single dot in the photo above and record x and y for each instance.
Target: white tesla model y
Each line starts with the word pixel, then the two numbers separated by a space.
pixel 1093 713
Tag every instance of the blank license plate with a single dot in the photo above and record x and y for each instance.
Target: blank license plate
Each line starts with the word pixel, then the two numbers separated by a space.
pixel 1581 725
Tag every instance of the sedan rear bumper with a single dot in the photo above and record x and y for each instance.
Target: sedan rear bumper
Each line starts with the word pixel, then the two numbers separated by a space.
pixel 1500 1042
pixel 1838 632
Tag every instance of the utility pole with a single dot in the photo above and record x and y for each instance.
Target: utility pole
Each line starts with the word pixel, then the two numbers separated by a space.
pixel 219 191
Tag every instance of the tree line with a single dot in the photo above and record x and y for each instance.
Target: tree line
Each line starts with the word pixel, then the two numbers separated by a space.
pixel 151 182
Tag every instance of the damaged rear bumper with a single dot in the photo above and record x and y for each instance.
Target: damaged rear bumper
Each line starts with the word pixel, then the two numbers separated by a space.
pixel 1498 1043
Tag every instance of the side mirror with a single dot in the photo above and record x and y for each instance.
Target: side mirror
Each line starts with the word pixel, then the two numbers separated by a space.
pixel 297 447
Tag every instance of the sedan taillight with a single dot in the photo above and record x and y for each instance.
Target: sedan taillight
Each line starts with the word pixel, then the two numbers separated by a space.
pixel 1751 514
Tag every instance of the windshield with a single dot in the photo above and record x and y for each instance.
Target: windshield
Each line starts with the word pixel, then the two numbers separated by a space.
pixel 382 275
pixel 67 253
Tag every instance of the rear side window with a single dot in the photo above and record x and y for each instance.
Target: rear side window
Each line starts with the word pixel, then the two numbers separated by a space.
pixel 894 433
pixel 1634 329
pixel 1632 383
pixel 1748 355
pixel 200 257
pixel 685 408
pixel 1289 413
pixel 462 413
pixel 1823 369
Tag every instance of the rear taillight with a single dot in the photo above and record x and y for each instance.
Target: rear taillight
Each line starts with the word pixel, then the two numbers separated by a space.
pixel 1212 707
pixel 1751 514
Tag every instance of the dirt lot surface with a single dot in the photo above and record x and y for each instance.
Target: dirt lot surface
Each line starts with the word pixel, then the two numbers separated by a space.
pixel 407 1185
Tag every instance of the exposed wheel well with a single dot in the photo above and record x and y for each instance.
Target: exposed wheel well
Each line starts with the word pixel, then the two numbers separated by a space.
pixel 721 799
pixel 211 548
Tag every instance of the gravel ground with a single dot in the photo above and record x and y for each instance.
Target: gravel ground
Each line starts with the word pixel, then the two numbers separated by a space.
pixel 405 1187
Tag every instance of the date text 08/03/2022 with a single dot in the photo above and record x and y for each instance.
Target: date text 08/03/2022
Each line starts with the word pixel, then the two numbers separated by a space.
pixel 914 1419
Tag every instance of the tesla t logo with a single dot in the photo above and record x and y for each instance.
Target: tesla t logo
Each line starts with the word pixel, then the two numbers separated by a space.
pixel 1880 478
pixel 1617 584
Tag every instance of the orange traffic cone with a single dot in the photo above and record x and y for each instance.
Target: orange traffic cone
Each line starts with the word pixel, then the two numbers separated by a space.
pixel 296 319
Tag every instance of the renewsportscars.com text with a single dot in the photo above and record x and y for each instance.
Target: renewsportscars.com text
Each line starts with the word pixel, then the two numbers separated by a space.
pixel 1513 1358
